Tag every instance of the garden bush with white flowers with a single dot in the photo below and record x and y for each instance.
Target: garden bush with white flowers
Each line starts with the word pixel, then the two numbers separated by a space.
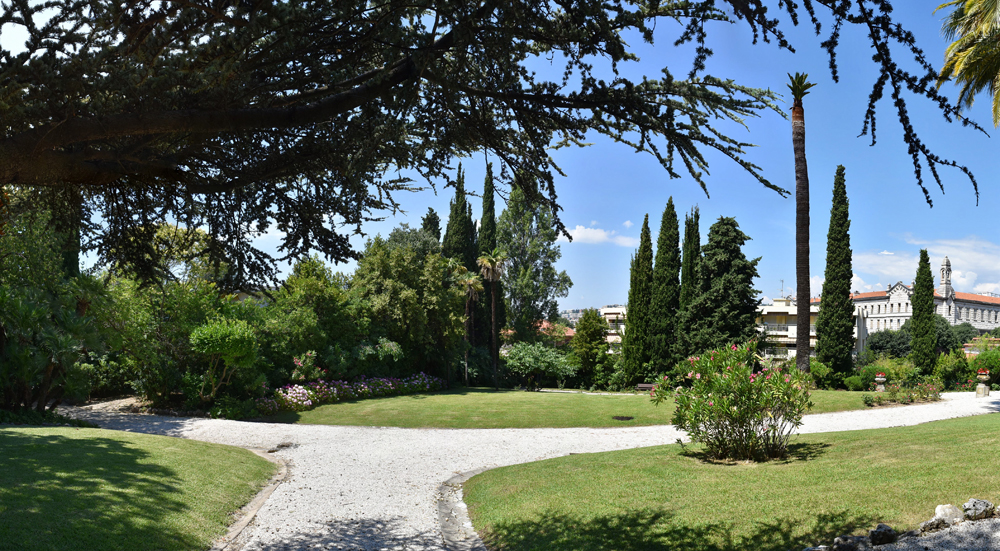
pixel 736 406
pixel 303 397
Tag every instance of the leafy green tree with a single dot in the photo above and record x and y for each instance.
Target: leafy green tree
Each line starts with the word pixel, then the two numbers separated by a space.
pixel 527 235
pixel 412 301
pixel 835 322
pixel 590 345
pixel 799 88
pixel 964 333
pixel 535 360
pixel 431 223
pixel 460 234
pixel 666 292
pixel 636 341
pixel 924 344
pixel 725 310
pixel 194 112
pixel 492 266
pixel 895 344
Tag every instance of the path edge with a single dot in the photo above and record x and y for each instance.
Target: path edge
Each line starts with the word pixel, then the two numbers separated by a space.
pixel 248 512
pixel 453 514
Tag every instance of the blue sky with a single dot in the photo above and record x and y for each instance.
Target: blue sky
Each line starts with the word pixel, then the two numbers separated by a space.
pixel 608 188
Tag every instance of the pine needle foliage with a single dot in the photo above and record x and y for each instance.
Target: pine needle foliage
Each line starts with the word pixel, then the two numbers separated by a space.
pixel 242 117
pixel 835 322
pixel 726 309
pixel 924 343
pixel 690 279
pixel 666 292
pixel 636 340
pixel 431 223
pixel 487 242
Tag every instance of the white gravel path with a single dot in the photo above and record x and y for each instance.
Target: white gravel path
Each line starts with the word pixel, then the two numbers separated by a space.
pixel 375 488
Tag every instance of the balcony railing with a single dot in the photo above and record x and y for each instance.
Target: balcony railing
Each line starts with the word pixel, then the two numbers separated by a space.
pixel 784 328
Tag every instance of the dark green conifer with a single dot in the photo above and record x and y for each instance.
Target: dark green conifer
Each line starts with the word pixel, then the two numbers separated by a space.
pixel 487 242
pixel 835 322
pixel 431 223
pixel 690 262
pixel 635 343
pixel 726 309
pixel 460 235
pixel 666 292
pixel 924 342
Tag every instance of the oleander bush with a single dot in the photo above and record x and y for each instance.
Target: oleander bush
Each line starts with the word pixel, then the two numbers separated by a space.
pixel 737 411
pixel 303 397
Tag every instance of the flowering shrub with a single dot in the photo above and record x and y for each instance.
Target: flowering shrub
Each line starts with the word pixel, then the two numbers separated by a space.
pixel 303 397
pixel 902 394
pixel 305 368
pixel 735 412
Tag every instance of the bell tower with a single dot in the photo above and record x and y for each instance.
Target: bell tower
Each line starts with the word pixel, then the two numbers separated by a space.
pixel 946 289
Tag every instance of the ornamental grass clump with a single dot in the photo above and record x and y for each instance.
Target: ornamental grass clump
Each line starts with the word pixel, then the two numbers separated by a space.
pixel 737 407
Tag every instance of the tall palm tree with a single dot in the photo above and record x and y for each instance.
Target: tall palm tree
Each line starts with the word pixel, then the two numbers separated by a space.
pixel 492 265
pixel 473 286
pixel 799 87
pixel 973 59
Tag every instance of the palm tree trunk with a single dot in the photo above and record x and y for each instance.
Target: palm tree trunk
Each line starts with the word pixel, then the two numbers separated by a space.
pixel 801 238
pixel 495 352
pixel 468 325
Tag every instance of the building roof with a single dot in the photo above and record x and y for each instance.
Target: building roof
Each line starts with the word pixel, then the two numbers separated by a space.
pixel 973 297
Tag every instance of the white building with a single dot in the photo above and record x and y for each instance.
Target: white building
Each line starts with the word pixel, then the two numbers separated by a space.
pixel 881 310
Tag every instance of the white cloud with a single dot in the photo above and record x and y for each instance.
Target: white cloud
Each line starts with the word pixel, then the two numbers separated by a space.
pixel 859 285
pixel 890 268
pixel 886 252
pixel 963 280
pixel 766 300
pixel 593 222
pixel 816 285
pixel 628 224
pixel 987 288
pixel 582 234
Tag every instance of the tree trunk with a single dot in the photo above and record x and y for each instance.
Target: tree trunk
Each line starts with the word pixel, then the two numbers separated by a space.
pixel 801 237
pixel 468 324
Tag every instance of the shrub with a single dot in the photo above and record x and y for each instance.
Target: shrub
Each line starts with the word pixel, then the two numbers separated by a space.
pixel 823 376
pixel 953 369
pixel 230 345
pixel 988 359
pixel 854 383
pixel 533 361
pixel 308 396
pixel 736 412
pixel 904 394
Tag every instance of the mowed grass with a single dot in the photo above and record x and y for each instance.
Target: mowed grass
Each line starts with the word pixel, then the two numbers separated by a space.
pixel 66 488
pixel 479 408
pixel 666 498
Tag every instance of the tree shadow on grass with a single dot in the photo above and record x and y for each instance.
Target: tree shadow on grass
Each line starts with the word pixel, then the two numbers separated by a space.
pixel 85 493
pixel 370 533
pixel 659 530
pixel 798 451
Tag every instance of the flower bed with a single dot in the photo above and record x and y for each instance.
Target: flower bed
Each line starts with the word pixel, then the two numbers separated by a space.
pixel 303 397
pixel 899 394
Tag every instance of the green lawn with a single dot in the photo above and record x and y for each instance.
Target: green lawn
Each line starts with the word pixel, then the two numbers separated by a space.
pixel 66 488
pixel 478 408
pixel 663 498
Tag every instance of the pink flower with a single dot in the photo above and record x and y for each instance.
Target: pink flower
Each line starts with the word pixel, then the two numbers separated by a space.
pixel 734 347
pixel 690 374
pixel 697 375
pixel 711 404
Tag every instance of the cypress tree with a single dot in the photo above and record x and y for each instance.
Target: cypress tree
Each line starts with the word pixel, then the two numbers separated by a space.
pixel 690 284
pixel 487 242
pixel 666 291
pixel 691 259
pixel 835 322
pixel 460 235
pixel 923 324
pixel 726 309
pixel 431 223
pixel 635 343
